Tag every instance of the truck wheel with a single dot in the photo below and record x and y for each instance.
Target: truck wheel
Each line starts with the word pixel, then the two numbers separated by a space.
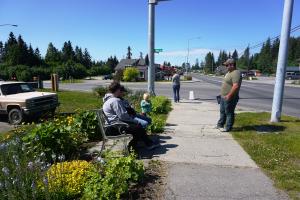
pixel 15 116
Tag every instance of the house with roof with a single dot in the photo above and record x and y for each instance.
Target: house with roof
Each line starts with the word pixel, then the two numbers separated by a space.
pixel 140 64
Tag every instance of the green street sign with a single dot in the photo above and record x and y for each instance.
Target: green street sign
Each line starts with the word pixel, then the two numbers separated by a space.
pixel 158 50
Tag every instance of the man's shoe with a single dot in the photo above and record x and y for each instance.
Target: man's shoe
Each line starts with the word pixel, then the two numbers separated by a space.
pixel 153 146
pixel 218 127
pixel 226 130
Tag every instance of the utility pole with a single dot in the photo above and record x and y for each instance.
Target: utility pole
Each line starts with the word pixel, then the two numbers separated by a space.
pixel 151 32
pixel 248 59
pixel 151 69
pixel 188 51
pixel 281 63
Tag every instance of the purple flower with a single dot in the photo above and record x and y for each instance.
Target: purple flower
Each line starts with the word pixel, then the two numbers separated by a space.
pixel 30 165
pixel 45 180
pixel 61 157
pixel 15 181
pixel 53 157
pixel 16 160
pixel 100 160
pixel 5 170
pixel 3 146
pixel 33 185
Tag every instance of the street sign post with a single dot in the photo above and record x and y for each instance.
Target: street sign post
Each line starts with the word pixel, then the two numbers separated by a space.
pixel 158 50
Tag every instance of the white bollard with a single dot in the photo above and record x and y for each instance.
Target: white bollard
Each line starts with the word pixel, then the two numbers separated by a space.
pixel 191 96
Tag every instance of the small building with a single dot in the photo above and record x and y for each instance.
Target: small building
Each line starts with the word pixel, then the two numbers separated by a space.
pixel 140 64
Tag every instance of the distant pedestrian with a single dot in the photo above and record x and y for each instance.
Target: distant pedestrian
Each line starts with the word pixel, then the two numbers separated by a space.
pixel 229 95
pixel 176 86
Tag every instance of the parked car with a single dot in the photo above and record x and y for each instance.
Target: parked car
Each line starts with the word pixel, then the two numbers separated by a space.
pixel 292 75
pixel 246 74
pixel 107 77
pixel 19 100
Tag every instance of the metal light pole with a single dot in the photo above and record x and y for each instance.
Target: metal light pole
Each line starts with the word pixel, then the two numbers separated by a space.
pixel 281 63
pixel 188 53
pixel 151 23
pixel 151 29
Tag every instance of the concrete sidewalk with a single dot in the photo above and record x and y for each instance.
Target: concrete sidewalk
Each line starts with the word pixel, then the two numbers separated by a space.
pixel 204 163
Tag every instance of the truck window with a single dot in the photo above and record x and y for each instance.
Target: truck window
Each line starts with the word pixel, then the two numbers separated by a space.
pixel 16 88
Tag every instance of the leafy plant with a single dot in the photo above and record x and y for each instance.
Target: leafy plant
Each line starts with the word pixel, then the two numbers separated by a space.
pixel 160 105
pixel 158 123
pixel 130 74
pixel 61 136
pixel 118 174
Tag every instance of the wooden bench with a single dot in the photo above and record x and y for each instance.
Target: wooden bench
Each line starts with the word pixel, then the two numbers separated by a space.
pixel 105 125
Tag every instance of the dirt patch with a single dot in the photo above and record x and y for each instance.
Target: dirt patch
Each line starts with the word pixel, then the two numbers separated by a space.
pixel 153 184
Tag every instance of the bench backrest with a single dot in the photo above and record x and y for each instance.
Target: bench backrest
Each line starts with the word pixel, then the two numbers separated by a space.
pixel 101 121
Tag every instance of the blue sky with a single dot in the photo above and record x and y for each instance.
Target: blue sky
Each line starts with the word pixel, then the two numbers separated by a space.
pixel 108 27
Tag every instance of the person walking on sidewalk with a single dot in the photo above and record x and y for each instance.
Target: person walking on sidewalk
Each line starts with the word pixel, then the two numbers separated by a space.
pixel 229 95
pixel 176 86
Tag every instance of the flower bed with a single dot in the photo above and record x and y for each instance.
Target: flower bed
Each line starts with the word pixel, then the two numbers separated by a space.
pixel 42 161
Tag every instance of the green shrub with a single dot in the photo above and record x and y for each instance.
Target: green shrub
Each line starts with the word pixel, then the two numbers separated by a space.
pixel 118 174
pixel 297 82
pixel 160 105
pixel 100 91
pixel 88 123
pixel 188 78
pixel 61 136
pixel 131 74
pixel 158 123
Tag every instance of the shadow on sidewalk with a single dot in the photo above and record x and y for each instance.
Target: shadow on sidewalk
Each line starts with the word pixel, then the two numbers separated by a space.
pixel 161 139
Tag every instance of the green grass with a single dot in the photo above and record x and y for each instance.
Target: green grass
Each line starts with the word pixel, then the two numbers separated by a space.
pixel 297 82
pixel 72 100
pixel 276 151
pixel 71 81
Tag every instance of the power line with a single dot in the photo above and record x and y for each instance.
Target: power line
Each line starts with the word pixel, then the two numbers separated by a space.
pixel 296 28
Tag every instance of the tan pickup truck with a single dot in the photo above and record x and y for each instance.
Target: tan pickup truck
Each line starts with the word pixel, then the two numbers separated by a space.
pixel 19 100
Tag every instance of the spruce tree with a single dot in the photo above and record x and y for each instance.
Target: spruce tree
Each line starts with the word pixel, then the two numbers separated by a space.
pixel 235 55
pixel 87 62
pixel 52 54
pixel 129 54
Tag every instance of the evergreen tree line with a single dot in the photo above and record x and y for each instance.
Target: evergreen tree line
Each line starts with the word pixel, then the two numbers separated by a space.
pixel 265 60
pixel 20 60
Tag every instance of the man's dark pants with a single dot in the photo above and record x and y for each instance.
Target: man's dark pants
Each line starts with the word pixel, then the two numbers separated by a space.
pixel 176 89
pixel 227 112
pixel 139 134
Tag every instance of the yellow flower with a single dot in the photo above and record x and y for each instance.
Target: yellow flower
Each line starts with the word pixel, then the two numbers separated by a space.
pixel 69 177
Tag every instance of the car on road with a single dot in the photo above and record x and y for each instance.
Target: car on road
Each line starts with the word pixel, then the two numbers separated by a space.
pixel 107 77
pixel 19 100
pixel 246 74
pixel 292 75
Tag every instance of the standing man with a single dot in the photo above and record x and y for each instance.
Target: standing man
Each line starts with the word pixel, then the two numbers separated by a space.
pixel 229 95
pixel 176 86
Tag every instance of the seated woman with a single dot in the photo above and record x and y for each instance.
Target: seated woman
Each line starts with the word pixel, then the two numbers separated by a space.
pixel 115 110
